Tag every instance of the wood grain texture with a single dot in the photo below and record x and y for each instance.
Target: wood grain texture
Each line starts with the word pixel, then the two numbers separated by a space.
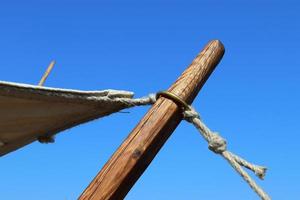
pixel 138 150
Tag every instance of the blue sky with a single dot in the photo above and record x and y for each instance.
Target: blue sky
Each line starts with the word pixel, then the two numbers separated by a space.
pixel 252 98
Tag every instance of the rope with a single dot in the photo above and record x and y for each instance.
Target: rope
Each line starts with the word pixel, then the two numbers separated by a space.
pixel 218 145
pixel 215 142
pixel 147 100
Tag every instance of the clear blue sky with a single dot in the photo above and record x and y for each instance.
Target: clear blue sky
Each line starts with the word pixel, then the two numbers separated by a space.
pixel 252 98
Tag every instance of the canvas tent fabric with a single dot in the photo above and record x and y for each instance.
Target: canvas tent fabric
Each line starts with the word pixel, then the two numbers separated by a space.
pixel 28 112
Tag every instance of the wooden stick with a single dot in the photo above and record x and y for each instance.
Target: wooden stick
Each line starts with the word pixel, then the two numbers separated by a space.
pixel 138 150
pixel 46 74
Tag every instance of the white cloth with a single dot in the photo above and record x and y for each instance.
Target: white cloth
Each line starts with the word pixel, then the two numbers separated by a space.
pixel 28 112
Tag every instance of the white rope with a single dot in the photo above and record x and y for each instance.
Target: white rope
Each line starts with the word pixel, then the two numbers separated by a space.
pixel 147 100
pixel 218 145
pixel 215 143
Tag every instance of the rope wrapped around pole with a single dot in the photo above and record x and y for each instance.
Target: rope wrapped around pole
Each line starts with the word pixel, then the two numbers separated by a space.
pixel 137 151
pixel 216 143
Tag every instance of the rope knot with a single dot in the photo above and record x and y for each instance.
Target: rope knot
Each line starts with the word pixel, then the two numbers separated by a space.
pixel 260 172
pixel 191 114
pixel 216 143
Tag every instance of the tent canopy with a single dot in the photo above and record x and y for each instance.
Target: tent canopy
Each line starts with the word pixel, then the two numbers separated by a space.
pixel 29 112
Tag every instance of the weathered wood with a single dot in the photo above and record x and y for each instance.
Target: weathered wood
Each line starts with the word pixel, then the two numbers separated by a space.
pixel 138 150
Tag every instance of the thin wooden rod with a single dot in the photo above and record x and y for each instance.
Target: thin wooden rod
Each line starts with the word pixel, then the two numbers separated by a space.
pixel 134 155
pixel 46 74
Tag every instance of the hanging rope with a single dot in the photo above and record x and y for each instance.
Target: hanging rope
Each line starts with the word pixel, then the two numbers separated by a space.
pixel 215 142
pixel 218 145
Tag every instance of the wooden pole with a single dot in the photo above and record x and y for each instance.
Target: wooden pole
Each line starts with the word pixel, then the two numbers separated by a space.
pixel 131 159
pixel 46 74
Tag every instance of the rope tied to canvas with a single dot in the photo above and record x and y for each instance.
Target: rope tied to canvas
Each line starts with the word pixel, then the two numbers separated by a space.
pixel 216 143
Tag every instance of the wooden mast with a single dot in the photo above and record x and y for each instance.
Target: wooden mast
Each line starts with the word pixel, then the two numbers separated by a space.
pixel 138 150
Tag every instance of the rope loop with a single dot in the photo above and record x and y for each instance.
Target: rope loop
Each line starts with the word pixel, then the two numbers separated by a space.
pixel 216 143
pixel 190 115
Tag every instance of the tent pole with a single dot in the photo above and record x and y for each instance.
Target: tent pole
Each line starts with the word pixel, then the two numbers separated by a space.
pixel 134 155
pixel 46 74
